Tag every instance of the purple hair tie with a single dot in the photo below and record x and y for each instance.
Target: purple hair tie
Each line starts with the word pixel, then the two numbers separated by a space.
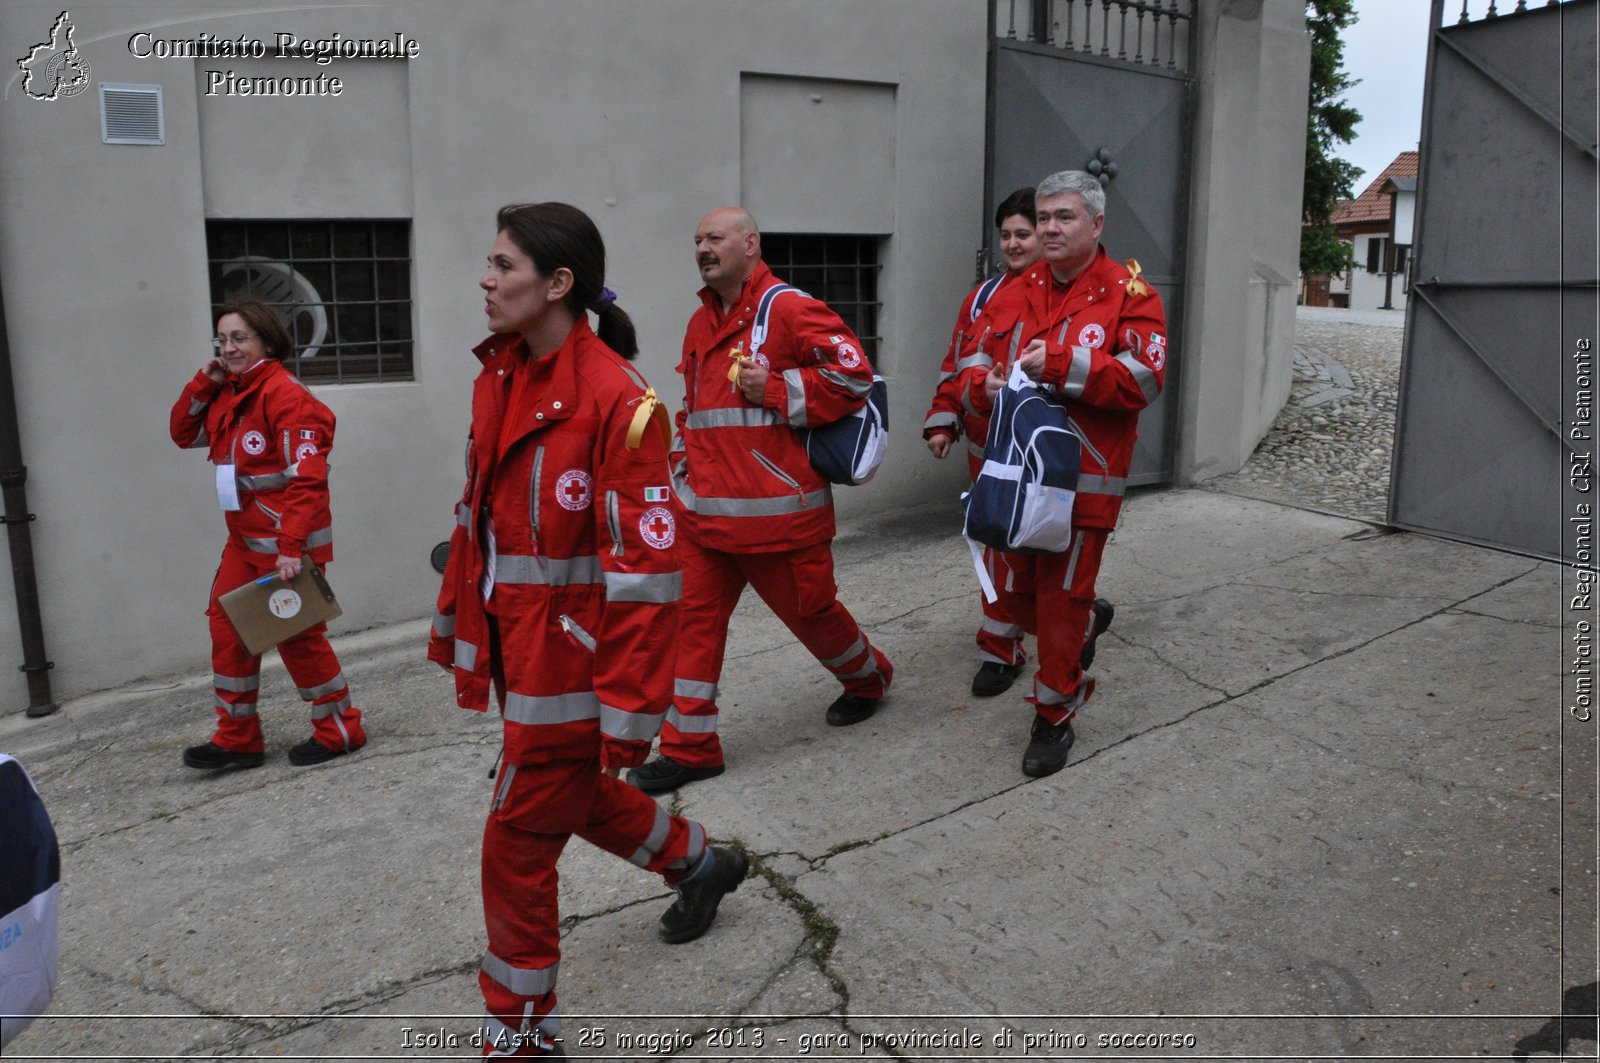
pixel 603 300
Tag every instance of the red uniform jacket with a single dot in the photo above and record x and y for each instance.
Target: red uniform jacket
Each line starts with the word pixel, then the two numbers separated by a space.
pixel 742 481
pixel 950 412
pixel 1105 353
pixel 569 534
pixel 277 435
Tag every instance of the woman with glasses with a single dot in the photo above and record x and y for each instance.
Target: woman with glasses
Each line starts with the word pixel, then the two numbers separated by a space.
pixel 269 439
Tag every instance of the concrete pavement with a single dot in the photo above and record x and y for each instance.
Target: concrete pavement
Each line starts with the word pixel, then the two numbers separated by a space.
pixel 1316 809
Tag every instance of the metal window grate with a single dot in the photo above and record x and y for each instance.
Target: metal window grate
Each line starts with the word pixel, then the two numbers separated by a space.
pixel 842 271
pixel 1149 33
pixel 132 114
pixel 343 287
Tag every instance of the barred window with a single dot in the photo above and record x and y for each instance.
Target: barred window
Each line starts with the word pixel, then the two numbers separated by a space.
pixel 343 288
pixel 842 271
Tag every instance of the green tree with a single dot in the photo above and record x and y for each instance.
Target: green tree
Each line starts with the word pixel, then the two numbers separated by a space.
pixel 1330 121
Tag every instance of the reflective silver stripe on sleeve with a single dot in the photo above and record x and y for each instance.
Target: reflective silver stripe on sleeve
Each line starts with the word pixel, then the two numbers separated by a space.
pixel 200 439
pixel 971 360
pixel 854 385
pixel 733 417
pixel 692 725
pixel 628 726
pixel 196 407
pixel 966 401
pixel 1090 484
pixel 238 684
pixel 313 693
pixel 262 546
pixel 1077 372
pixel 320 537
pixel 659 588
pixel 463 515
pixel 332 708
pixel 466 656
pixel 444 626
pixel 1141 373
pixel 940 420
pixel 558 708
pixel 758 507
pixel 694 688
pixel 539 570
pixel 523 981
pixel 268 481
pixel 797 397
pixel 848 655
pixel 654 840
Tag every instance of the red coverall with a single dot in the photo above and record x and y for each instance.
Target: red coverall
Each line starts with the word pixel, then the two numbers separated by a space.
pixel 1106 354
pixel 562 593
pixel 951 414
pixel 277 435
pixel 753 509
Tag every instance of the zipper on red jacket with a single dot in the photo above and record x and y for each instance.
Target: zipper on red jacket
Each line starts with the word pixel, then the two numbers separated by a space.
pixel 772 467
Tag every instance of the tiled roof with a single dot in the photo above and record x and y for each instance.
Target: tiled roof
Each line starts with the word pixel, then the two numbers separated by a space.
pixel 1373 205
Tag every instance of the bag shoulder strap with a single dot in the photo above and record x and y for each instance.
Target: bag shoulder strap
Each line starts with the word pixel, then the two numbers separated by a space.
pixel 985 290
pixel 758 331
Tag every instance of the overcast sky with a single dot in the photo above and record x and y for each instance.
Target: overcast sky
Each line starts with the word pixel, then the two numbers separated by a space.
pixel 1387 50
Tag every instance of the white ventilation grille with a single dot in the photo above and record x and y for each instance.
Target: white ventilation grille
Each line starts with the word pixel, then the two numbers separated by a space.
pixel 132 114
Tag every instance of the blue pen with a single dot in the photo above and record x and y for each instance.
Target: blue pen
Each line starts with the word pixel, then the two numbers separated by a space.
pixel 268 578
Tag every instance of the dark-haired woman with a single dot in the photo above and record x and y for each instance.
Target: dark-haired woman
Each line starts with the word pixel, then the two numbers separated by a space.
pixel 269 438
pixel 561 595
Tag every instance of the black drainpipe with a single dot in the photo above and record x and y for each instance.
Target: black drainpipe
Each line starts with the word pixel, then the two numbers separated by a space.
pixel 13 481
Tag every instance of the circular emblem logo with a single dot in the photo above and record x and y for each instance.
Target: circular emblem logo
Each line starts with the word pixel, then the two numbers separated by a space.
pixel 304 451
pixel 763 361
pixel 575 490
pixel 657 527
pixel 254 442
pixel 284 603
pixel 1092 336
pixel 67 73
pixel 1156 351
pixel 849 357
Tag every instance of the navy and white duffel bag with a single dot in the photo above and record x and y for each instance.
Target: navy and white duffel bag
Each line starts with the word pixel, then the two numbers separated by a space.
pixel 1021 501
pixel 849 450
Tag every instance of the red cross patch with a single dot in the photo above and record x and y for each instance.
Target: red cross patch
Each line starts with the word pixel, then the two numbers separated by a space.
pixel 575 490
pixel 849 357
pixel 1091 336
pixel 657 527
pixel 254 442
pixel 304 451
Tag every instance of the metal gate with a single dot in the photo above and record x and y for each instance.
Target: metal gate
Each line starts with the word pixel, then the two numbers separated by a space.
pixel 1495 435
pixel 1104 86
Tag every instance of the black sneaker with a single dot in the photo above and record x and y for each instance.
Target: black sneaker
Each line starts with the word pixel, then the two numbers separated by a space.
pixel 1103 612
pixel 664 773
pixel 691 914
pixel 994 678
pixel 312 752
pixel 1047 748
pixel 212 757
pixel 848 709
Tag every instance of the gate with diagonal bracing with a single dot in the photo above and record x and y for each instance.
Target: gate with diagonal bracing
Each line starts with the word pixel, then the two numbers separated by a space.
pixel 1495 436
pixel 1104 86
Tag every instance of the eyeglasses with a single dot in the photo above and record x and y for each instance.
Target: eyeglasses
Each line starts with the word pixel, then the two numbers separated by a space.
pixel 238 339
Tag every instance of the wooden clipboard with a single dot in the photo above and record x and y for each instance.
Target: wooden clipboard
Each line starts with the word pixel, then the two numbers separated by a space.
pixel 267 610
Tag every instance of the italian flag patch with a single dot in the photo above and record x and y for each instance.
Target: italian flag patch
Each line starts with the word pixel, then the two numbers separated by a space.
pixel 655 494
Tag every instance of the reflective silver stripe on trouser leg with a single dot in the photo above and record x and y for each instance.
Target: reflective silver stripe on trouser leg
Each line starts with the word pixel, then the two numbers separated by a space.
pixel 236 710
pixel 694 849
pixel 523 981
pixel 700 723
pixel 504 1042
pixel 651 846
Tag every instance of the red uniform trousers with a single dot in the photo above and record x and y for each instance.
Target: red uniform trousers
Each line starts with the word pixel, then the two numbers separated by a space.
pixel 798 587
pixel 236 672
pixel 1052 596
pixel 536 808
pixel 999 636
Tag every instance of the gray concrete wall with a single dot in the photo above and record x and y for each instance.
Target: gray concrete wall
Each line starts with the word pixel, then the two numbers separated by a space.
pixel 631 111
pixel 1249 159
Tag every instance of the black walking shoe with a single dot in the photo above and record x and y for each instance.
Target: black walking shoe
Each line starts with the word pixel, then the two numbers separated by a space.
pixel 994 678
pixel 312 752
pixel 698 896
pixel 1047 748
pixel 664 773
pixel 212 757
pixel 1103 612
pixel 848 709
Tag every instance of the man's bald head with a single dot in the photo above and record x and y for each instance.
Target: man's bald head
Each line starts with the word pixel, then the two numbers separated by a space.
pixel 727 246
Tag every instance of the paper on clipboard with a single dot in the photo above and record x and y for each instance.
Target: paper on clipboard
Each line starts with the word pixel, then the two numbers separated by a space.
pixel 267 610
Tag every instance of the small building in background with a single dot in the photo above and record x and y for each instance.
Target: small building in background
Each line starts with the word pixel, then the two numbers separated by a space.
pixel 1377 226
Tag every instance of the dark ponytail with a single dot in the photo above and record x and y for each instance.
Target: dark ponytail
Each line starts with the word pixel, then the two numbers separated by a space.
pixel 554 235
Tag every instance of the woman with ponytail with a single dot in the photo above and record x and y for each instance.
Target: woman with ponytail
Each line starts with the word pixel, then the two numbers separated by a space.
pixel 561 596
